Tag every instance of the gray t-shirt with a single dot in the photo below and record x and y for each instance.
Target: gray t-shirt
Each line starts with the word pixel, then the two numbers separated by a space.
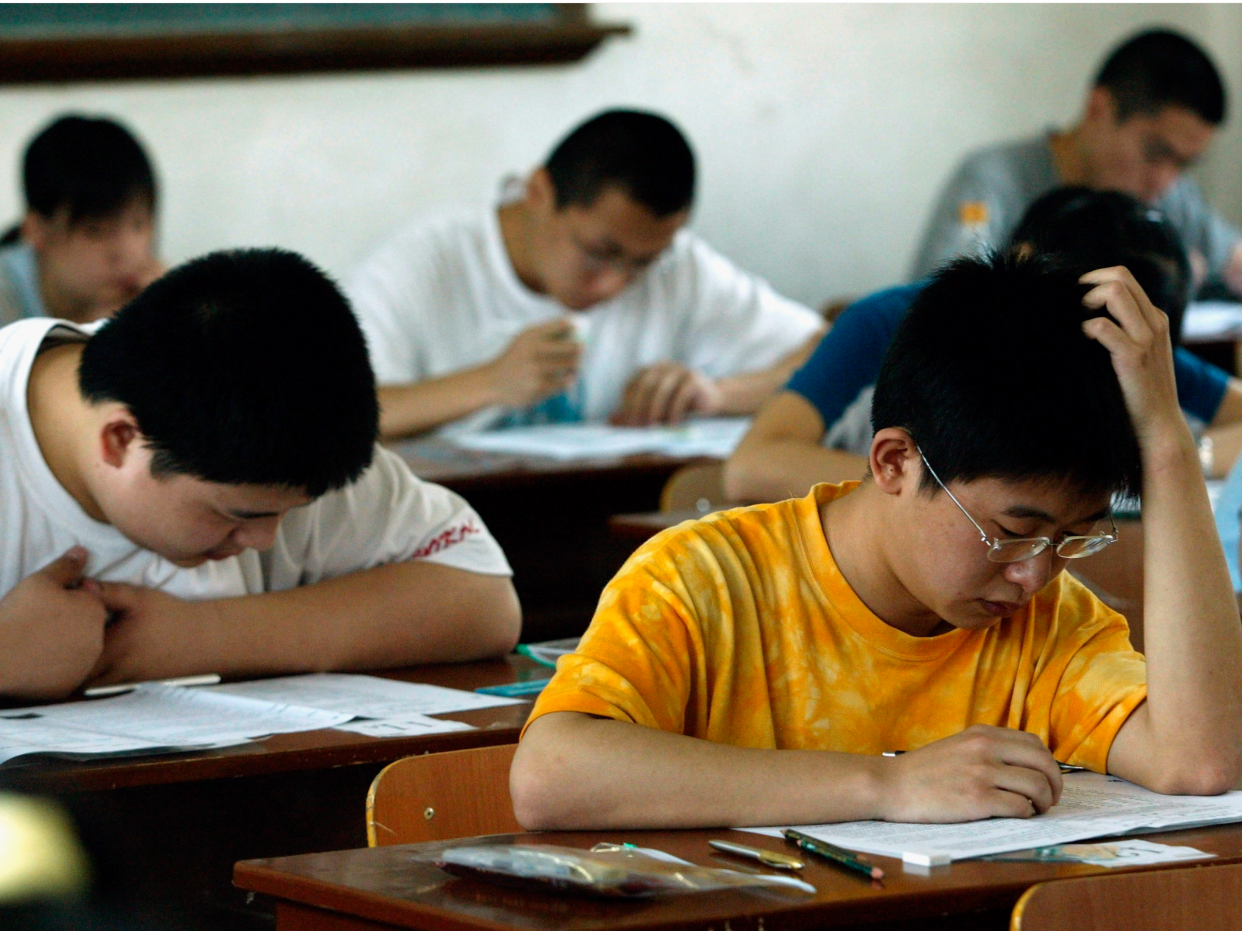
pixel 20 298
pixel 991 190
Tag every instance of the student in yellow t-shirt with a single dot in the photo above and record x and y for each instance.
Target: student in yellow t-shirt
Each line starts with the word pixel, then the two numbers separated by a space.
pixel 751 667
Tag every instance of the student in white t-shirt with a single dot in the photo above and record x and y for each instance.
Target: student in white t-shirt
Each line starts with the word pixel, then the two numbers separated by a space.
pixel 196 488
pixel 579 297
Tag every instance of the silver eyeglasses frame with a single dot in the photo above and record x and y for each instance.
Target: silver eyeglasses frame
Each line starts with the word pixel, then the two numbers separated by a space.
pixel 1029 546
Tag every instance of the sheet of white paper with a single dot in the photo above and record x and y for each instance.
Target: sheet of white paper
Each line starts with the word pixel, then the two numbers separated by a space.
pixel 361 696
pixel 716 437
pixel 170 716
pixel 1110 854
pixel 1208 320
pixel 1091 806
pixel 408 725
pixel 36 735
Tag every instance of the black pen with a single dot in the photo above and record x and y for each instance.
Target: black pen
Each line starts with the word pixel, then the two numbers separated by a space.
pixel 1065 767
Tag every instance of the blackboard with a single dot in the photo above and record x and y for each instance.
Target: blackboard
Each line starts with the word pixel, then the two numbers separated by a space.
pixel 83 41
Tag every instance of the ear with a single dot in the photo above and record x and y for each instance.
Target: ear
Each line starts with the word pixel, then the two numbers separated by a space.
pixel 35 230
pixel 895 461
pixel 540 191
pixel 1101 107
pixel 119 437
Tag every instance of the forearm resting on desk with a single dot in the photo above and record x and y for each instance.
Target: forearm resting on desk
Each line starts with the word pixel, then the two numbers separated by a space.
pixel 743 394
pixel 781 456
pixel 396 615
pixel 406 410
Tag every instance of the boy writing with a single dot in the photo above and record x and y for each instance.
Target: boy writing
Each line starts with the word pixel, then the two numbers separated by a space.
pixel 750 668
pixel 196 488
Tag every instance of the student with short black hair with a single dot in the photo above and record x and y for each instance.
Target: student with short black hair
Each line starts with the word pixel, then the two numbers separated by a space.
pixel 752 667
pixel 87 242
pixel 819 428
pixel 1149 115
pixel 578 297
pixel 196 488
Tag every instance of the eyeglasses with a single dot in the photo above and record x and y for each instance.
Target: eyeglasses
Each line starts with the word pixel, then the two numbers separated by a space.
pixel 1022 548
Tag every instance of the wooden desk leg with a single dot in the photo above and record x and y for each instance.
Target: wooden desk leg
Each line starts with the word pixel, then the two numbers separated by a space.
pixel 290 917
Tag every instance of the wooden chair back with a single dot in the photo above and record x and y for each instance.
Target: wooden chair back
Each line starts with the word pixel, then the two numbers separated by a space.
pixel 691 485
pixel 442 796
pixel 1187 898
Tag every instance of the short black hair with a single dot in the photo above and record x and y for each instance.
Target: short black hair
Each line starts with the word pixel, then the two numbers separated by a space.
pixel 92 167
pixel 992 376
pixel 1159 68
pixel 1097 229
pixel 642 153
pixel 244 368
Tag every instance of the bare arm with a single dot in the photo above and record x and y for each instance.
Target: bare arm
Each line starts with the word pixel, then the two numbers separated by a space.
pixel 668 391
pixel 539 362
pixel 396 615
pixel 1187 736
pixel 781 456
pixel 575 771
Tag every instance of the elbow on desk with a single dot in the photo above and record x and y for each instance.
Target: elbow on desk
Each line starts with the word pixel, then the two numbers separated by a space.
pixel 538 795
pixel 1209 775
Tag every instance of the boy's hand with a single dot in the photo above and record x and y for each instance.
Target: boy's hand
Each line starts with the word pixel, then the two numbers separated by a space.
pixel 153 635
pixel 1137 338
pixel 666 393
pixel 52 626
pixel 983 772
pixel 538 363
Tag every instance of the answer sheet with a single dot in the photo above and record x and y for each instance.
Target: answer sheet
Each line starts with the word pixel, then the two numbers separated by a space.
pixel 1091 806
pixel 361 696
pixel 716 437
pixel 407 725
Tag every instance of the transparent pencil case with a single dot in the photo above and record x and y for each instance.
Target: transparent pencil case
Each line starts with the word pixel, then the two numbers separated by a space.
pixel 607 870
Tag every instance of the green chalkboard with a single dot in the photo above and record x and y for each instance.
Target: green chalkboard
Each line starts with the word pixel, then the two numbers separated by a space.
pixel 84 41
pixel 77 20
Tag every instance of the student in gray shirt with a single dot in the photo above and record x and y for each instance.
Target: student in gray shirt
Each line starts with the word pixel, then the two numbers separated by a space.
pixel 86 244
pixel 1150 114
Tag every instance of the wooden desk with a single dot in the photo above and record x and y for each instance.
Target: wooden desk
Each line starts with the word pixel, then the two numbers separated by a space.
pixel 353 890
pixel 551 518
pixel 166 830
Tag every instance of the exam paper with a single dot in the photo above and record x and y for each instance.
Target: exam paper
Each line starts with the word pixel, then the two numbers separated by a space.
pixel 409 725
pixel 716 437
pixel 1212 320
pixel 361 696
pixel 171 716
pixel 23 737
pixel 1092 805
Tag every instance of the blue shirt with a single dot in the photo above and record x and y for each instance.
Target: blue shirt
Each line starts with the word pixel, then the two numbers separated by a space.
pixel 847 361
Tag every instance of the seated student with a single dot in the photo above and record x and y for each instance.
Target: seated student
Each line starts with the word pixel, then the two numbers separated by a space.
pixel 819 428
pixel 579 297
pixel 196 488
pixel 86 245
pixel 751 667
pixel 1149 115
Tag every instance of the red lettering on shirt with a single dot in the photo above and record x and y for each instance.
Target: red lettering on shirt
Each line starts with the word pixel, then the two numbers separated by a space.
pixel 447 538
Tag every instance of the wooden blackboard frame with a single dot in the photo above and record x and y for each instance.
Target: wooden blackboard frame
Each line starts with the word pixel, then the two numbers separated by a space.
pixel 569 37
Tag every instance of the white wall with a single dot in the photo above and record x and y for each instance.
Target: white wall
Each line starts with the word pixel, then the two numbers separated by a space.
pixel 823 131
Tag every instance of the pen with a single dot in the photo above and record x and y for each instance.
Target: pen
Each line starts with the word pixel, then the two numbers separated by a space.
pixel 833 853
pixel 99 691
pixel 780 861
pixel 1065 767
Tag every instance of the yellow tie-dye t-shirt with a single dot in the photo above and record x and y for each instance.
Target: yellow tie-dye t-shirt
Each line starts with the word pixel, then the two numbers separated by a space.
pixel 740 629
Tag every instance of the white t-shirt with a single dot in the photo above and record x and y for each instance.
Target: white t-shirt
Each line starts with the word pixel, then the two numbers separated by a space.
pixel 443 296
pixel 386 516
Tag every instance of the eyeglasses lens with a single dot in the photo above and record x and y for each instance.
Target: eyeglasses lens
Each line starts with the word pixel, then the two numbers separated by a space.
pixel 1016 550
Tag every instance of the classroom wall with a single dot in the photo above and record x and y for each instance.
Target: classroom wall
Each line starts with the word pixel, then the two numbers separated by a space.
pixel 823 131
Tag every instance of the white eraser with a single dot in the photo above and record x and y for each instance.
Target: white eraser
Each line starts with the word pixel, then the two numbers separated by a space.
pixel 926 858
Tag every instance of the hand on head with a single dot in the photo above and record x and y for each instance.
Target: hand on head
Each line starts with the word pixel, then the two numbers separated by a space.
pixel 666 393
pixel 1136 335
